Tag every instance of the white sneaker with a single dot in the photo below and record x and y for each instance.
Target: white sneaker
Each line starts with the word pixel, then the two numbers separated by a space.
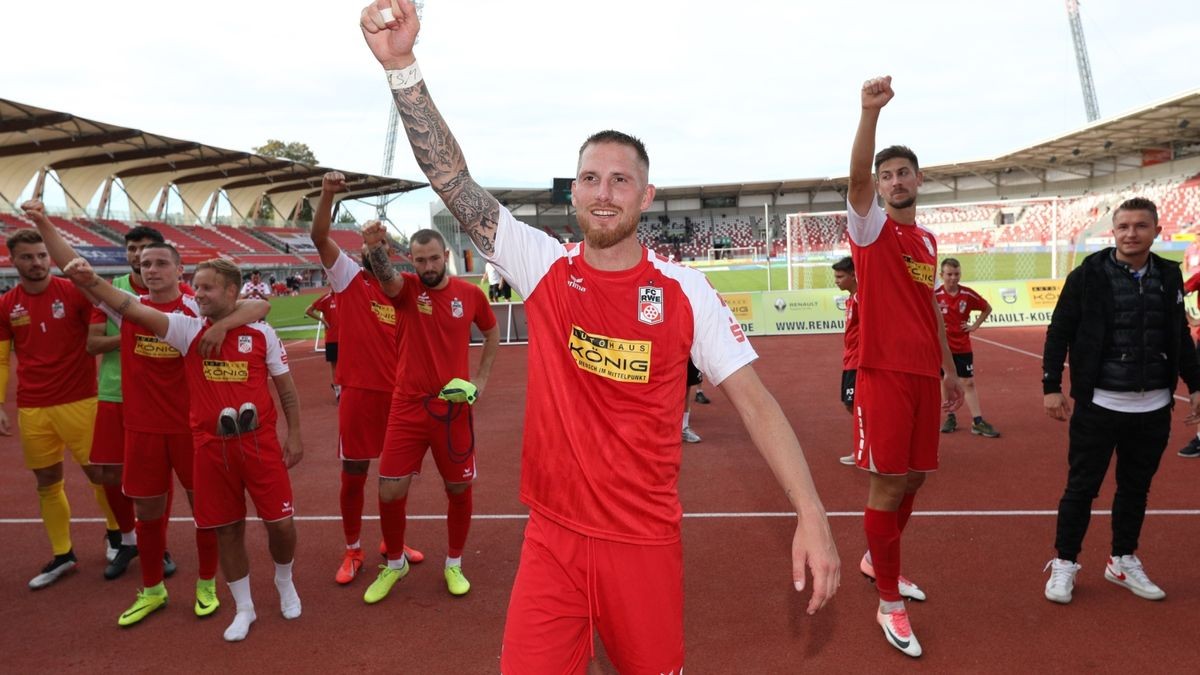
pixel 848 460
pixel 898 631
pixel 1062 580
pixel 690 436
pixel 907 588
pixel 1127 571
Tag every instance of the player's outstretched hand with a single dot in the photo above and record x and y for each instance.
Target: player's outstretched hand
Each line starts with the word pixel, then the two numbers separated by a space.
pixel 373 234
pixel 34 209
pixel 5 428
pixel 80 271
pixel 333 182
pixel 390 28
pixel 812 547
pixel 876 92
pixel 1059 408
pixel 210 342
pixel 293 450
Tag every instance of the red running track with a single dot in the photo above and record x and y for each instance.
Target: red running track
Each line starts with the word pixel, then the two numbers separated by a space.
pixel 983 571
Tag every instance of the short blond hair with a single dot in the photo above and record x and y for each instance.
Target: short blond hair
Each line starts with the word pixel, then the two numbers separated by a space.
pixel 231 273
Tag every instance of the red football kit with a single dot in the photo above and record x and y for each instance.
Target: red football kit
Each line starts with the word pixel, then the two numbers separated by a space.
pixel 366 366
pixel 434 346
pixel 956 312
pixel 600 462
pixel 898 395
pixel 850 339
pixel 327 306
pixel 226 467
pixel 49 334
pixel 155 393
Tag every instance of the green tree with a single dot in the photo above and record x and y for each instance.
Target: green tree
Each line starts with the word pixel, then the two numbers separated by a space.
pixel 295 151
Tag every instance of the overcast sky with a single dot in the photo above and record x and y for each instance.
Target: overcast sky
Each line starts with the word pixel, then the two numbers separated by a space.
pixel 719 91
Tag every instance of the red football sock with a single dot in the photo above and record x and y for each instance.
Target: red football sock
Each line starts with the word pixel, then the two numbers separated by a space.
pixel 458 521
pixel 905 510
pixel 122 507
pixel 152 544
pixel 206 552
pixel 353 485
pixel 392 518
pixel 883 540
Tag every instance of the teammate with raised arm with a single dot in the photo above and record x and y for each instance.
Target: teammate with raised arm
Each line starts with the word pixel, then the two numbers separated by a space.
pixel 611 328
pixel 232 418
pixel 902 345
pixel 431 403
pixel 365 373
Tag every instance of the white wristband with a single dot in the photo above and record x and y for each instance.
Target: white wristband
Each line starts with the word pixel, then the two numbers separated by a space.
pixel 404 78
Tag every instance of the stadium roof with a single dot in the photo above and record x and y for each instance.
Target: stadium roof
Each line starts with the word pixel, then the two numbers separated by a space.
pixel 1102 147
pixel 85 153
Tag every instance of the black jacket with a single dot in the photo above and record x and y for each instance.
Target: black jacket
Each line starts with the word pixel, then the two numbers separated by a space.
pixel 1082 325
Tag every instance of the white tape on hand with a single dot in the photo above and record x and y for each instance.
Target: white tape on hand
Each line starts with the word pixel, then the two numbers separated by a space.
pixel 388 17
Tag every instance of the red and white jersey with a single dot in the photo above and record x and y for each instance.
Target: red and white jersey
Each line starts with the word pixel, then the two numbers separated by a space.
pixel 435 334
pixel 850 340
pixel 895 266
pixel 49 333
pixel 328 307
pixel 249 355
pixel 608 358
pixel 956 312
pixel 153 384
pixel 367 354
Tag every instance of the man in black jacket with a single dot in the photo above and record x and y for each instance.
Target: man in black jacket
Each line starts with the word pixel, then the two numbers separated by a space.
pixel 1121 318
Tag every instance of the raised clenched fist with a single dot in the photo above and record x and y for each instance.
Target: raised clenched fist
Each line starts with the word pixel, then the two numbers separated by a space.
pixel 876 92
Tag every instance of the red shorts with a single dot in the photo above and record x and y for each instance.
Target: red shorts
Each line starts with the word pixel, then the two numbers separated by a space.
pixel 228 468
pixel 896 419
pixel 362 422
pixel 149 458
pixel 566 582
pixel 416 426
pixel 108 439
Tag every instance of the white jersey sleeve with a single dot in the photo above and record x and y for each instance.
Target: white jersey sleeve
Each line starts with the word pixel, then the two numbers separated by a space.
pixel 523 254
pixel 342 273
pixel 719 347
pixel 864 230
pixel 277 363
pixel 182 331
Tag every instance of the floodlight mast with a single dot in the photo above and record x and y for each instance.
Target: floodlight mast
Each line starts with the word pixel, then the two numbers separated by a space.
pixel 1081 60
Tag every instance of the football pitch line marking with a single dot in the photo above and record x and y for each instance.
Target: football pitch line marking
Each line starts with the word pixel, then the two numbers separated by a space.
pixel 1039 356
pixel 691 516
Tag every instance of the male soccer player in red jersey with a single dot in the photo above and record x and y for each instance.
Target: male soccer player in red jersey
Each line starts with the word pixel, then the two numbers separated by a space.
pixel 232 417
pixel 158 440
pixel 44 319
pixel 324 309
pixel 435 312
pixel 844 279
pixel 611 326
pixel 902 345
pixel 957 303
pixel 365 373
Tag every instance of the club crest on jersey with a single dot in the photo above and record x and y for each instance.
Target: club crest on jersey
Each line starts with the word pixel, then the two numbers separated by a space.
pixel 962 306
pixel 456 308
pixel 245 344
pixel 58 310
pixel 650 305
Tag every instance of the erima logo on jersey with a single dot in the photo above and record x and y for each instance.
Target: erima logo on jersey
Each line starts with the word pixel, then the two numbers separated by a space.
pixel 216 370
pixel 385 313
pixel 424 304
pixel 650 305
pixel 620 360
pixel 153 348
pixel 576 283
